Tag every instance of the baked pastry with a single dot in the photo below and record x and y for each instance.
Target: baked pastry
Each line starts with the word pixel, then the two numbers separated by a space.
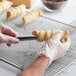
pixel 2 0
pixel 27 3
pixel 30 16
pixel 15 11
pixel 4 5
pixel 45 35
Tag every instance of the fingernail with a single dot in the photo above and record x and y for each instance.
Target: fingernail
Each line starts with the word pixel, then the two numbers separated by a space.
pixel 16 40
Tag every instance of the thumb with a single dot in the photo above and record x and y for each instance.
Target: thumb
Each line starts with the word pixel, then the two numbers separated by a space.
pixel 58 35
pixel 8 39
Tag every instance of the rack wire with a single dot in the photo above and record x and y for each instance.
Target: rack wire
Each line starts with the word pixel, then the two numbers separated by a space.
pixel 22 54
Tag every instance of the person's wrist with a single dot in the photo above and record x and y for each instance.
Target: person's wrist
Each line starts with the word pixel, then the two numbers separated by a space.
pixel 43 57
pixel 48 53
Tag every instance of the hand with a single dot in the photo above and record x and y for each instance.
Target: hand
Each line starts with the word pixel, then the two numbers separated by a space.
pixel 7 35
pixel 59 48
pixel 54 48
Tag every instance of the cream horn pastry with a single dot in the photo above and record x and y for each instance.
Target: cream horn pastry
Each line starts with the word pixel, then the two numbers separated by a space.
pixel 27 3
pixel 5 5
pixel 15 11
pixel 45 35
pixel 30 16
pixel 2 0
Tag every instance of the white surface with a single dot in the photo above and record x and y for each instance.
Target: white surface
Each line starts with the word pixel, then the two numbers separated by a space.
pixel 70 71
pixel 67 16
pixel 7 70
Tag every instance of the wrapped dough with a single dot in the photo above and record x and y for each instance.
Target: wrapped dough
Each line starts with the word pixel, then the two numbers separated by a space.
pixel 15 11
pixel 30 16
pixel 45 35
pixel 4 5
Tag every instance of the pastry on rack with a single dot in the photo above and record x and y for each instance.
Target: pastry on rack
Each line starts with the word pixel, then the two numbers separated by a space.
pixel 30 16
pixel 45 35
pixel 5 5
pixel 15 11
pixel 27 3
pixel 2 0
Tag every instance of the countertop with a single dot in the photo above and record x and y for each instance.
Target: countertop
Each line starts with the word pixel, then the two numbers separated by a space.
pixel 68 15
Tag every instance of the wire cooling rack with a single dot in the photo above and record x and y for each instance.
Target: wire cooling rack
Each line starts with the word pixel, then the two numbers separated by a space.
pixel 22 54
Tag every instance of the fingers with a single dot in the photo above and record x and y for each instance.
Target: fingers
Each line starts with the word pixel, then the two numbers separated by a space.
pixel 7 39
pixel 8 35
pixel 58 35
pixel 1 26
pixel 8 44
pixel 8 31
pixel 68 42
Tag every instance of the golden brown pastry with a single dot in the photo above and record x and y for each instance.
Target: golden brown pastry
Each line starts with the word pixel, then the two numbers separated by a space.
pixel 15 11
pixel 27 3
pixel 30 16
pixel 4 5
pixel 2 0
pixel 45 35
